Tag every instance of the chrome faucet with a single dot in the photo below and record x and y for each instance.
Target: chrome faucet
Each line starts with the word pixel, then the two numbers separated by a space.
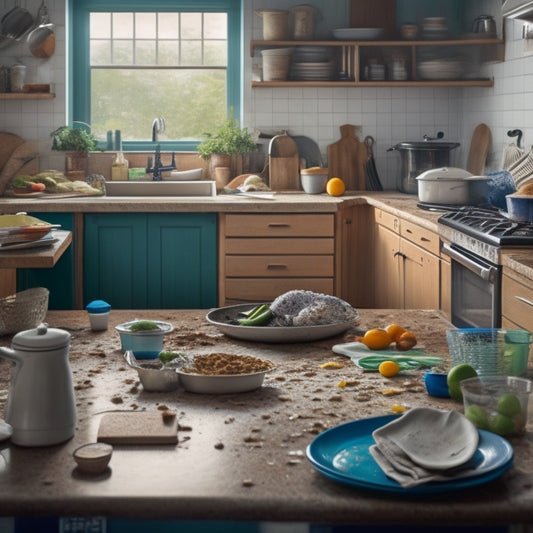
pixel 158 126
pixel 158 167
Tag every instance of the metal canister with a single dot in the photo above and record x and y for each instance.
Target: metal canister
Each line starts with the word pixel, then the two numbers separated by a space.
pixel 419 156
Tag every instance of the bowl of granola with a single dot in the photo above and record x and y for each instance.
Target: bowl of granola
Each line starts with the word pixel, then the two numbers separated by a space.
pixel 223 373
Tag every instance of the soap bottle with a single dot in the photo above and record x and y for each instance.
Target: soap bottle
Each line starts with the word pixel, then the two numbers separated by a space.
pixel 119 168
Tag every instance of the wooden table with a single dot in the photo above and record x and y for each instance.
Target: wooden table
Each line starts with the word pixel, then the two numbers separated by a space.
pixel 45 257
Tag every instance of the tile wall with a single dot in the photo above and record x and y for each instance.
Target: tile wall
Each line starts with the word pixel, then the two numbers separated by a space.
pixel 390 115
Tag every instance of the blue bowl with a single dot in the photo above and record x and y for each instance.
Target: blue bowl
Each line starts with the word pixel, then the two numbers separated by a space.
pixel 143 344
pixel 436 384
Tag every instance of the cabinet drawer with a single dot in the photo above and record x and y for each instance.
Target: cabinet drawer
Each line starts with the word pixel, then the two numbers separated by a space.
pixel 517 302
pixel 280 246
pixel 421 236
pixel 386 219
pixel 279 225
pixel 265 290
pixel 279 266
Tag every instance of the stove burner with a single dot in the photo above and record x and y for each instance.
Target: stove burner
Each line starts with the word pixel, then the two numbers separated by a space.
pixel 489 225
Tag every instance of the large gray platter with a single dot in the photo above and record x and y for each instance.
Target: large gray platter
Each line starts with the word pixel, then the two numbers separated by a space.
pixel 224 317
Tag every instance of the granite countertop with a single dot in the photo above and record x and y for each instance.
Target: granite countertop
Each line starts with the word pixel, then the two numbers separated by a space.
pixel 241 456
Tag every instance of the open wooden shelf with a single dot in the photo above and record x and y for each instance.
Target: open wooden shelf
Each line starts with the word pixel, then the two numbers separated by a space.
pixel 27 96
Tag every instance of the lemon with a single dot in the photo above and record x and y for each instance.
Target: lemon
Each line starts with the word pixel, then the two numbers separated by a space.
pixel 477 416
pixel 455 376
pixel 509 405
pixel 388 368
pixel 376 339
pixel 335 187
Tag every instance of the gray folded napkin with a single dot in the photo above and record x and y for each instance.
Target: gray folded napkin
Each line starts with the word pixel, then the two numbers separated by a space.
pixel 397 444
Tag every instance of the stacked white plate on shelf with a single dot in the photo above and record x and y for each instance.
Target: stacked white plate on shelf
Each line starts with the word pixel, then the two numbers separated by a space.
pixel 310 54
pixel 313 71
pixel 440 69
pixel 435 28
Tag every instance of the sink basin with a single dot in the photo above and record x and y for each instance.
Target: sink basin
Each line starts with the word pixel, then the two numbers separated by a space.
pixel 186 175
pixel 161 188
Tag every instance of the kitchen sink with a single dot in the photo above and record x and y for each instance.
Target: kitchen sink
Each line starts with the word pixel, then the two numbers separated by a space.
pixel 161 188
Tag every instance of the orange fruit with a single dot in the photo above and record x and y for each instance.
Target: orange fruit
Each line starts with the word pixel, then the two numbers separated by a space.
pixel 406 341
pixel 335 187
pixel 394 330
pixel 388 368
pixel 376 339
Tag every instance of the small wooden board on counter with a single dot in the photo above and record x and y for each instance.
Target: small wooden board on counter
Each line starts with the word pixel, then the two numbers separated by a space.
pixel 138 427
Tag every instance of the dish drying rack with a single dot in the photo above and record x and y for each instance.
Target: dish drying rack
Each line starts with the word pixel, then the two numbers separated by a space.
pixel 519 163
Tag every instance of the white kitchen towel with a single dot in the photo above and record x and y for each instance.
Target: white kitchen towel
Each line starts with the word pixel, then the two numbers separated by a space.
pixel 407 473
pixel 425 445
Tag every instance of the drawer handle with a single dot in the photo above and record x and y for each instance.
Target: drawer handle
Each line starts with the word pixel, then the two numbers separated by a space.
pixel 425 239
pixel 277 267
pixel 525 300
pixel 278 225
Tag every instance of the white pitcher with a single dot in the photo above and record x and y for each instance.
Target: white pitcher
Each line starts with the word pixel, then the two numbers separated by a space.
pixel 40 405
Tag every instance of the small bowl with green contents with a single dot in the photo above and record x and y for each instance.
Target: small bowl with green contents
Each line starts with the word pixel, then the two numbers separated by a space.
pixel 143 337
pixel 497 403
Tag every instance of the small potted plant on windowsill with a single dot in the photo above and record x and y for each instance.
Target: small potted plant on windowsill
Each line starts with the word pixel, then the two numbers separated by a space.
pixel 76 142
pixel 227 146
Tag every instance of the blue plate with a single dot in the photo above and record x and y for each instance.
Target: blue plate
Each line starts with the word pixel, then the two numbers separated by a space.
pixel 342 454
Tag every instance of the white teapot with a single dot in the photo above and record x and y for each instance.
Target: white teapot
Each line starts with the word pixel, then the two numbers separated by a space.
pixel 40 407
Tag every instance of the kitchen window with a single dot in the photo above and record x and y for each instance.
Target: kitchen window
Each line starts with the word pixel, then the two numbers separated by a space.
pixel 132 61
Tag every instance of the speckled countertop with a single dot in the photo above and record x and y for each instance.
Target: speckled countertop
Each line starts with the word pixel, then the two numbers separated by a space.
pixel 241 457
pixel 400 204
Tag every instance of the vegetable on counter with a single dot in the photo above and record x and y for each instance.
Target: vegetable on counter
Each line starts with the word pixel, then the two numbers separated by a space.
pixel 258 316
pixel 144 325
pixel 51 181
pixel 168 356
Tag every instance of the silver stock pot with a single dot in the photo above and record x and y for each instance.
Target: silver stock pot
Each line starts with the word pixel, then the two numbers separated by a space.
pixel 417 157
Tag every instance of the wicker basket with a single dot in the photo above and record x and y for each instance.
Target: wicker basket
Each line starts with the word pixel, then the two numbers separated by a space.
pixel 24 310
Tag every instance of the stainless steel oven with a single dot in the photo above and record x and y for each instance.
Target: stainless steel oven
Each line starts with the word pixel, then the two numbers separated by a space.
pixel 476 289
pixel 473 238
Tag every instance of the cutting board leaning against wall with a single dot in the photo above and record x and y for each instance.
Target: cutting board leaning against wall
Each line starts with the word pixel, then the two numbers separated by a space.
pixel 347 158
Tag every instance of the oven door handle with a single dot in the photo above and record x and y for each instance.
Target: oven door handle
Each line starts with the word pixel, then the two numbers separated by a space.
pixel 485 273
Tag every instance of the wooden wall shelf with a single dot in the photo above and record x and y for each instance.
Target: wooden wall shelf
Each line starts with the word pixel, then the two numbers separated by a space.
pixel 27 96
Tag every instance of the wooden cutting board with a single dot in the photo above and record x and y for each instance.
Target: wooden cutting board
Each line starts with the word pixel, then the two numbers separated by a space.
pixel 138 427
pixel 479 149
pixel 284 164
pixel 347 158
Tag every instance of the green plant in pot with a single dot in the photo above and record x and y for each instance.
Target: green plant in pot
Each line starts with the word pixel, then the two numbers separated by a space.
pixel 227 146
pixel 76 142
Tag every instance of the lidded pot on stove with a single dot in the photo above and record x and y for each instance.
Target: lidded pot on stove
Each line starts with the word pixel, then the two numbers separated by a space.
pixel 417 157
pixel 40 407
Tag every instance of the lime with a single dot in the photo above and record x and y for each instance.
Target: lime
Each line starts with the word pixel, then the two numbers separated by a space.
pixel 509 405
pixel 477 416
pixel 455 376
pixel 501 425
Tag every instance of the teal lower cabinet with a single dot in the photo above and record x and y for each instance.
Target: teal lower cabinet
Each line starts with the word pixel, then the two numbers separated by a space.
pixel 151 260
pixel 59 280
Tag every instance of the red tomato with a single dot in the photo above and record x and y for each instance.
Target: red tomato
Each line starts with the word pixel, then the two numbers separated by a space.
pixel 38 187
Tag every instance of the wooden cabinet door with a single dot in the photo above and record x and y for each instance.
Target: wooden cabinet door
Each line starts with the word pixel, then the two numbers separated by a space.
pixel 115 259
pixel 420 277
pixel 182 262
pixel 151 261
pixel 387 269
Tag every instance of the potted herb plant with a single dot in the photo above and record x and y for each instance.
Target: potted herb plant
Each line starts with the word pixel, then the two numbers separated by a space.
pixel 227 146
pixel 76 142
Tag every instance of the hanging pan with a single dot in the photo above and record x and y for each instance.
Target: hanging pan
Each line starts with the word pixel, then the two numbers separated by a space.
pixel 42 40
pixel 14 24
